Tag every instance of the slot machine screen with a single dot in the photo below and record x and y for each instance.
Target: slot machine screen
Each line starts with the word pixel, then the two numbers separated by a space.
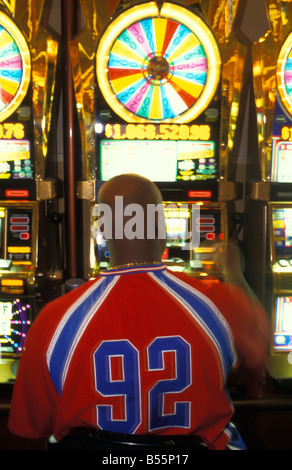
pixel 15 320
pixel 176 232
pixel 178 224
pixel 282 232
pixel 15 160
pixel 282 334
pixel 281 166
pixel 159 161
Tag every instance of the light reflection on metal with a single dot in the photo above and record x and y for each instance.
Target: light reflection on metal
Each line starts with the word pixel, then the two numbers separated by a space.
pixel 43 45
pixel 82 50
pixel 221 16
pixel 268 76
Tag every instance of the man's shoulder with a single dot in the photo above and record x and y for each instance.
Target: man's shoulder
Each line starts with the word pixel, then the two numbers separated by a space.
pixel 196 282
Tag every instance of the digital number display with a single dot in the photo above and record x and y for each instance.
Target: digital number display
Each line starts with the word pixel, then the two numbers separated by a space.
pixel 158 131
pixel 11 131
pixel 15 152
pixel 286 133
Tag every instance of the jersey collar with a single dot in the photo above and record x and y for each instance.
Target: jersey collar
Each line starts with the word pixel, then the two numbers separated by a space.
pixel 134 269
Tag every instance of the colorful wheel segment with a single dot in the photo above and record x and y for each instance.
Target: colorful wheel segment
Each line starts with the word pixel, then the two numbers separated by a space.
pixel 284 74
pixel 14 67
pixel 157 68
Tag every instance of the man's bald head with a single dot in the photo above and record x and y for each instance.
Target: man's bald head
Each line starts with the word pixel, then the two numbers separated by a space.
pixel 135 189
pixel 128 199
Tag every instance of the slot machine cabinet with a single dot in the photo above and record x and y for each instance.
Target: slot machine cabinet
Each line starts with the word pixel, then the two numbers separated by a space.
pixel 280 237
pixel 193 231
pixel 270 189
pixel 164 83
pixel 28 57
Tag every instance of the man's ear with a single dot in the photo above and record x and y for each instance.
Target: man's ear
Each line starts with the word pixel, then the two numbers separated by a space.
pixel 160 225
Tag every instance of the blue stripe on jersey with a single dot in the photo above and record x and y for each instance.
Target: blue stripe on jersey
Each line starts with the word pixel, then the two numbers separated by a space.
pixel 206 313
pixel 71 328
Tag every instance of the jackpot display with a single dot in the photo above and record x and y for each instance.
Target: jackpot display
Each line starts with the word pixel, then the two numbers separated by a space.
pixel 161 99
pixel 28 56
pixel 272 193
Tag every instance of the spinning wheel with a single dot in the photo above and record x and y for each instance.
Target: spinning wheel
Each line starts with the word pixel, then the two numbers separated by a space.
pixel 14 67
pixel 284 74
pixel 155 66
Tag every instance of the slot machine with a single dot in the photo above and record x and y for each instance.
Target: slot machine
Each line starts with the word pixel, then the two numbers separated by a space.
pixel 28 55
pixel 271 194
pixel 166 90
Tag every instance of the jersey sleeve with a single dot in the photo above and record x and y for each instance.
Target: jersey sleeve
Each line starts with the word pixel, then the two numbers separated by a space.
pixel 248 322
pixel 245 315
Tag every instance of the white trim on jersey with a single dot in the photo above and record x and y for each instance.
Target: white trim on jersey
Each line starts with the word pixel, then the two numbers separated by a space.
pixel 214 324
pixel 72 327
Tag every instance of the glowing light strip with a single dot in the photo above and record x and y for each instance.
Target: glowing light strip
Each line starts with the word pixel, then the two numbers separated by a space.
pixel 12 282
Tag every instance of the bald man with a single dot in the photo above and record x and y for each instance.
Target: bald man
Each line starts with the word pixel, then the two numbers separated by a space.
pixel 141 196
pixel 139 351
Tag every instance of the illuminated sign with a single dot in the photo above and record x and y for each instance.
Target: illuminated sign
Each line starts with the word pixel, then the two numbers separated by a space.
pixel 15 66
pixel 158 64
pixel 158 132
pixel 15 320
pixel 284 74
pixel 16 123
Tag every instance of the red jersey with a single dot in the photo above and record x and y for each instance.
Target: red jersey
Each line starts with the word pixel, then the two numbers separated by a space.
pixel 137 350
